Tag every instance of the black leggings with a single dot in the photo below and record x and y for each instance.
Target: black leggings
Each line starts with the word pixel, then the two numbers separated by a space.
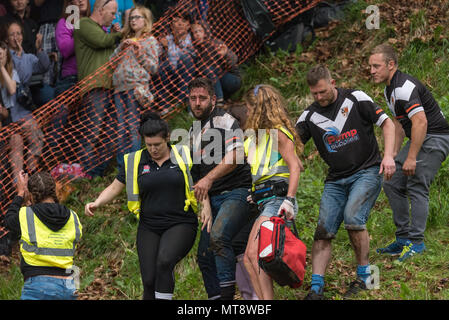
pixel 158 255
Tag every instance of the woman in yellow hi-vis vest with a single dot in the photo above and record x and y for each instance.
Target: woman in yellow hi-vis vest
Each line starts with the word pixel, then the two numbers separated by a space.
pixel 159 190
pixel 273 155
pixel 49 233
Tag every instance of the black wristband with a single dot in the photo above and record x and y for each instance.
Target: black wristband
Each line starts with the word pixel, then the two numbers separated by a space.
pixel 291 199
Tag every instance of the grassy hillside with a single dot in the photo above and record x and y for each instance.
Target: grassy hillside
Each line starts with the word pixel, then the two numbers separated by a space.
pixel 107 256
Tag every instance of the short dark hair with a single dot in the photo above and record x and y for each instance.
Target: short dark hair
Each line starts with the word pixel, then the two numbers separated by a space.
pixel 151 124
pixel 202 83
pixel 318 73
pixel 185 15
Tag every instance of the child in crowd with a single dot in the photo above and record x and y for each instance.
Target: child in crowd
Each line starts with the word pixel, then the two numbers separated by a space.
pixel 216 61
pixel 177 66
pixel 136 59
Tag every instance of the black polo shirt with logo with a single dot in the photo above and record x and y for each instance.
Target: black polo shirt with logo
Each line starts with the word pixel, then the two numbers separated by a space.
pixel 162 194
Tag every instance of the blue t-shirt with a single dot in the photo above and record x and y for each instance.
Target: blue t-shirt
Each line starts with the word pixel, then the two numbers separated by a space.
pixel 10 101
pixel 123 5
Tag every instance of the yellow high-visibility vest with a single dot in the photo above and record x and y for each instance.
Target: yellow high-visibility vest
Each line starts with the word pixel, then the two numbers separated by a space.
pixel 265 162
pixel 182 159
pixel 43 247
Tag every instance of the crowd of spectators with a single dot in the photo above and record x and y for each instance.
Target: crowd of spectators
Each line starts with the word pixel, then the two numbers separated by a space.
pixel 47 46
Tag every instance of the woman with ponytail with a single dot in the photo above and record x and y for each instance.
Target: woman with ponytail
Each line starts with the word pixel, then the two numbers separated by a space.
pixel 159 191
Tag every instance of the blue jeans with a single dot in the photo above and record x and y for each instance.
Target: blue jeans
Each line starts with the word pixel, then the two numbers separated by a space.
pixel 174 81
pixel 57 134
pixel 216 257
pixel 99 116
pixel 227 85
pixel 48 288
pixel 128 112
pixel 65 83
pixel 350 200
pixel 42 94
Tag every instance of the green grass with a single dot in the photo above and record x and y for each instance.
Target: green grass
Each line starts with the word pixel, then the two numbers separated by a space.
pixel 107 255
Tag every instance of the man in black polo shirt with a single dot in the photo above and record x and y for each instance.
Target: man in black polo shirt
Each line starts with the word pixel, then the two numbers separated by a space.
pixel 340 122
pixel 417 116
pixel 222 173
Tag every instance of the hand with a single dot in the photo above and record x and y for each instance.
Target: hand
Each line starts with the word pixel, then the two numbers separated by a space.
pixel 115 27
pixel 53 56
pixel 222 50
pixel 39 41
pixel 90 208
pixel 206 216
pixel 19 48
pixel 249 199
pixel 409 167
pixel 202 188
pixel 163 40
pixel 287 210
pixel 22 183
pixel 387 167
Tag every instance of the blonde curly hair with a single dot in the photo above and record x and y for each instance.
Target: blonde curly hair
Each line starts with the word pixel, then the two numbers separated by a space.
pixel 268 110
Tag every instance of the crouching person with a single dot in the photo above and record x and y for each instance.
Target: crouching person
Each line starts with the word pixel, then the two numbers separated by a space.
pixel 49 233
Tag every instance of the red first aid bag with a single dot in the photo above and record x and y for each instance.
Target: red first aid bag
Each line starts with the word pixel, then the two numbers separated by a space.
pixel 281 254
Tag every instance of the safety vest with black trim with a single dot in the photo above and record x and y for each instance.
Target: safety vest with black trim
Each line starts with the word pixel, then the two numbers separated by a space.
pixel 265 162
pixel 42 247
pixel 180 155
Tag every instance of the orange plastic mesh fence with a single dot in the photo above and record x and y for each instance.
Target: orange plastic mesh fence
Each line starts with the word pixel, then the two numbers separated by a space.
pixel 80 126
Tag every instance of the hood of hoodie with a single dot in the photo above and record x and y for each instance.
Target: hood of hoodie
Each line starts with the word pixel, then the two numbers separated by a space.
pixel 53 215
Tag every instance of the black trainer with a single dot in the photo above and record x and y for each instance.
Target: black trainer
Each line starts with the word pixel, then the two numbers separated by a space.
pixel 355 287
pixel 312 295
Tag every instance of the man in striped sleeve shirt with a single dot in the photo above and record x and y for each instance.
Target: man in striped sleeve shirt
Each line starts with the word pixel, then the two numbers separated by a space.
pixel 341 124
pixel 418 117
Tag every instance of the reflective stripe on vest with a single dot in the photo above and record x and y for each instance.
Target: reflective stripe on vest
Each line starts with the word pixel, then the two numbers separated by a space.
pixel 132 189
pixel 33 251
pixel 261 169
pixel 183 160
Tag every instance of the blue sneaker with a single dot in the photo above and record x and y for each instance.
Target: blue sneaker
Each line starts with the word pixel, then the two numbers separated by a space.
pixel 395 248
pixel 410 250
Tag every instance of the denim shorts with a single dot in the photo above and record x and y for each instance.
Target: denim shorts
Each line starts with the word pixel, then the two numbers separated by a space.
pixel 269 208
pixel 48 288
pixel 350 200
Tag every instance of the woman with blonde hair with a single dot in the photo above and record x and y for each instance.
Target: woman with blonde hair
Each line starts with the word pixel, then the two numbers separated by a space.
pixel 273 156
pixel 136 60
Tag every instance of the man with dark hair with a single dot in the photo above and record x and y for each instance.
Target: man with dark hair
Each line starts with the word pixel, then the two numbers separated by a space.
pixel 222 174
pixel 417 116
pixel 340 122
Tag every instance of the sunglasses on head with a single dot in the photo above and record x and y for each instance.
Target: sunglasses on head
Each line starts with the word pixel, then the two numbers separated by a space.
pixel 107 1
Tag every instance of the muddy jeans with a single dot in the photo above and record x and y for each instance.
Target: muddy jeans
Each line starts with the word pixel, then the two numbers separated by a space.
pixel 348 200
pixel 216 257
pixel 410 218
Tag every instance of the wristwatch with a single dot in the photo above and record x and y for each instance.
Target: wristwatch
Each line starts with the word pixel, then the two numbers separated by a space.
pixel 291 199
